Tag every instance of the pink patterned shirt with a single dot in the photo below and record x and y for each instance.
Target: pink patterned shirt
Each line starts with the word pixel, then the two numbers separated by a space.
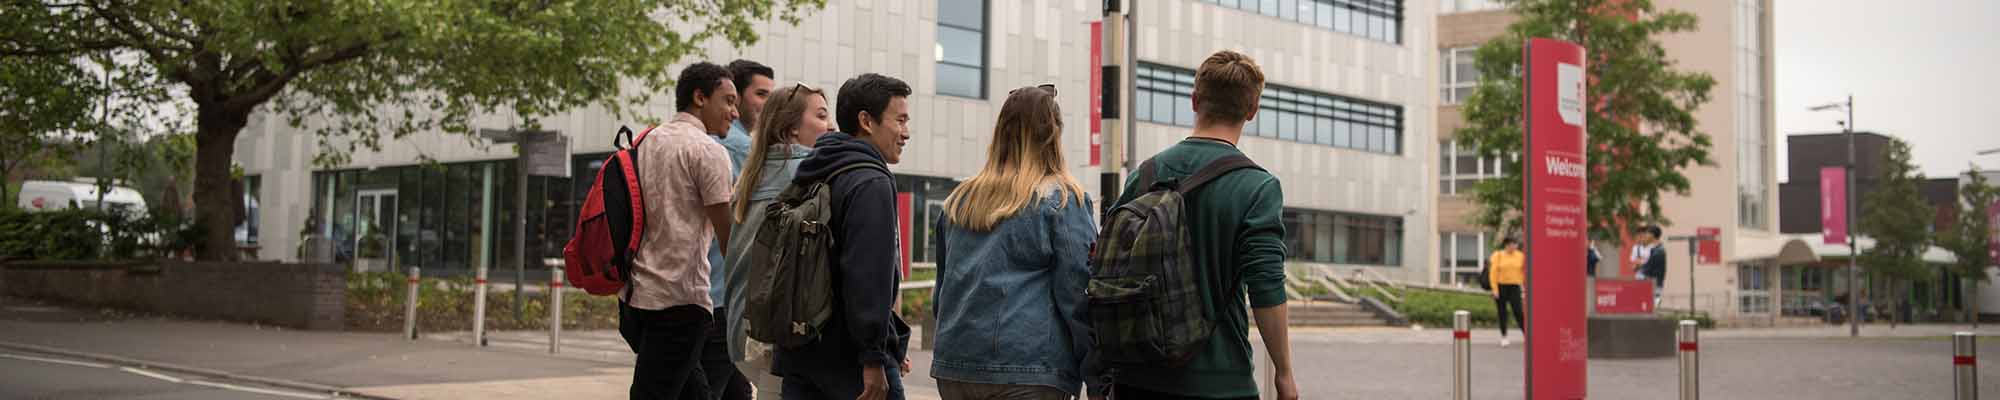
pixel 681 169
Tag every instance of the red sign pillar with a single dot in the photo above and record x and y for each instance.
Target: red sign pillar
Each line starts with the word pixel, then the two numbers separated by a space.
pixel 1556 218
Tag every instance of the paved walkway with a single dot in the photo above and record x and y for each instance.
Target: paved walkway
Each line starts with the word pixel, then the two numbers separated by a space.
pixel 1348 363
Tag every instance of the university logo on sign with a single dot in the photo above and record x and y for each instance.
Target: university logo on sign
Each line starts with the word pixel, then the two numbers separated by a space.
pixel 1569 93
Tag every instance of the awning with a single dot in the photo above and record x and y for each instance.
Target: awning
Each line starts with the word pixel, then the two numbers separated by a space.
pixel 1805 248
pixel 1781 250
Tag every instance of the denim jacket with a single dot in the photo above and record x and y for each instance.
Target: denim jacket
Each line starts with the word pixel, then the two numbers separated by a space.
pixel 780 163
pixel 1010 303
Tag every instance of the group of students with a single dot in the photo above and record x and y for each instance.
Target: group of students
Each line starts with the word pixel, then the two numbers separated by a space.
pixel 1507 271
pixel 1016 246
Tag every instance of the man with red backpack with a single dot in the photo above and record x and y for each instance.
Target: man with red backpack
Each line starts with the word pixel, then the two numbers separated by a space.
pixel 685 186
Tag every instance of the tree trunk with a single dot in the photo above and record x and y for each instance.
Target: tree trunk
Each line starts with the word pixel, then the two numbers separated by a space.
pixel 215 210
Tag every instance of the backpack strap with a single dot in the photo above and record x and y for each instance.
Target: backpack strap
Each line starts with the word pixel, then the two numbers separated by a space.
pixel 850 167
pixel 1146 172
pixel 1216 169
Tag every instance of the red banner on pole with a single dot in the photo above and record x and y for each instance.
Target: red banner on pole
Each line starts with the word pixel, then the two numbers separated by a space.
pixel 1993 220
pixel 903 229
pixel 1096 91
pixel 1555 194
pixel 1833 205
pixel 1710 249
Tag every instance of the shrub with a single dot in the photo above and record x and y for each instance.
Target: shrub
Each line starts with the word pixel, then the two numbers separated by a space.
pixel 1435 307
pixel 375 302
pixel 85 234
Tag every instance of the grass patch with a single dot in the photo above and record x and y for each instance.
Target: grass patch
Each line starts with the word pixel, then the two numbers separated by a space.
pixel 1435 307
pixel 375 302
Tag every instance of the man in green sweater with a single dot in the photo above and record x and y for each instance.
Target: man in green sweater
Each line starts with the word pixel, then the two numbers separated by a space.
pixel 1238 240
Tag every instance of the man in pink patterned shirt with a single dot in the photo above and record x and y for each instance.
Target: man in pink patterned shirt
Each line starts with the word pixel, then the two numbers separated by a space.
pixel 684 175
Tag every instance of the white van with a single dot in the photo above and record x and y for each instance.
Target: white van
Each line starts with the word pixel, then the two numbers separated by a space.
pixel 60 195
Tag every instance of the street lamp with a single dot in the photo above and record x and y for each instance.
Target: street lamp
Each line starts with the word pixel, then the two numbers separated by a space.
pixel 1853 250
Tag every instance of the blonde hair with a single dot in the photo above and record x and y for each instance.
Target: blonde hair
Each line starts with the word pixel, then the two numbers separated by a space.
pixel 1227 87
pixel 780 117
pixel 1026 152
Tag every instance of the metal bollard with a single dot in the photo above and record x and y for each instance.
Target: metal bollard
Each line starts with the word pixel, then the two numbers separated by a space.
pixel 410 305
pixel 1461 355
pixel 479 308
pixel 1965 365
pixel 1690 360
pixel 555 311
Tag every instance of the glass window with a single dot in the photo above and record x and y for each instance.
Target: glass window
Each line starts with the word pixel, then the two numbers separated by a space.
pixel 1270 7
pixel 961 48
pixel 1288 10
pixel 1343 18
pixel 1166 96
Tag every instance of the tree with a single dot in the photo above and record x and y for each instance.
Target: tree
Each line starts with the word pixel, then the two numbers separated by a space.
pixel 40 100
pixel 1642 130
pixel 1970 236
pixel 1899 220
pixel 378 69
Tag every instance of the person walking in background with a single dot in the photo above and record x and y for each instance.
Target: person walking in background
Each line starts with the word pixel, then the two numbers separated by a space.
pixel 792 120
pixel 862 347
pixel 1012 267
pixel 753 86
pixel 1507 267
pixel 1652 259
pixel 667 312
pixel 1236 237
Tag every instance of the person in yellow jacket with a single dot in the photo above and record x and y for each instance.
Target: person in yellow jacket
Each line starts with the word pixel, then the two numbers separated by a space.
pixel 1507 269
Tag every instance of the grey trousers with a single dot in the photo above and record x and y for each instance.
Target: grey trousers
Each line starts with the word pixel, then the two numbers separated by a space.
pixel 955 390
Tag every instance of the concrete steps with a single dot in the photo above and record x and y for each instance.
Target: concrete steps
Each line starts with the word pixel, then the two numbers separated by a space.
pixel 1330 314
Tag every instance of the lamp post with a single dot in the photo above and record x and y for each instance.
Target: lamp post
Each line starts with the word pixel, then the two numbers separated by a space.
pixel 1853 250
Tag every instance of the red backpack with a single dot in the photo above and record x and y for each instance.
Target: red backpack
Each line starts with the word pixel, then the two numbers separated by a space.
pixel 610 224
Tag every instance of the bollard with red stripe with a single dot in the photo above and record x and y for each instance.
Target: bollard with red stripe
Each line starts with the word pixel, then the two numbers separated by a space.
pixel 410 305
pixel 1965 365
pixel 1461 355
pixel 555 310
pixel 479 307
pixel 1690 354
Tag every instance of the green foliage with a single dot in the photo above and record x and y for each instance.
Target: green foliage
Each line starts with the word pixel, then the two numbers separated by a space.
pixel 376 301
pixel 916 303
pixel 1434 308
pixel 376 69
pixel 1633 85
pixel 84 234
pixel 40 101
pixel 1898 218
pixel 1701 319
pixel 1970 236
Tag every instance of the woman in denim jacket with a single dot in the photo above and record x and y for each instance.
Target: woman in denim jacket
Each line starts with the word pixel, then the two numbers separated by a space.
pixel 793 119
pixel 1011 273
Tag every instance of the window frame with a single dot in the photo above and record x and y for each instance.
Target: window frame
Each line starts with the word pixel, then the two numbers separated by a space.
pixel 985 52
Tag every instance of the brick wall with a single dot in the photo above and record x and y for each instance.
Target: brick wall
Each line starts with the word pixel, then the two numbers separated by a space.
pixel 306 296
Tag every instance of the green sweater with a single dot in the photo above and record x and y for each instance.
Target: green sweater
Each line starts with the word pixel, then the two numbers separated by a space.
pixel 1237 227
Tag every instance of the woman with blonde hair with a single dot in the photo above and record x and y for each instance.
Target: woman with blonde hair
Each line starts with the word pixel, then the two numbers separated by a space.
pixel 792 119
pixel 1011 271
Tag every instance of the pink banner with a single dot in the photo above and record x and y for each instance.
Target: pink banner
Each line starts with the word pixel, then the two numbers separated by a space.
pixel 1711 248
pixel 1096 91
pixel 1993 220
pixel 1833 205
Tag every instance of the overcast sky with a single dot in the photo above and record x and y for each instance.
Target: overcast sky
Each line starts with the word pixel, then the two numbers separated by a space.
pixel 1926 71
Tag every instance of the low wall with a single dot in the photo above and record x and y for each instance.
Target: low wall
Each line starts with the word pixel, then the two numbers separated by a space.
pixel 305 296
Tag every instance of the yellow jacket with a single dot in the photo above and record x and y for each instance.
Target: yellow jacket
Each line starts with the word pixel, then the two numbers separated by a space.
pixel 1506 268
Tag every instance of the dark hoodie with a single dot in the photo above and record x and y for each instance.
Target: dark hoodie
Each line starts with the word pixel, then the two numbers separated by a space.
pixel 866 332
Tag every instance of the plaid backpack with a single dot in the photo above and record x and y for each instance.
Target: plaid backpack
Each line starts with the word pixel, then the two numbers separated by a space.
pixel 1145 294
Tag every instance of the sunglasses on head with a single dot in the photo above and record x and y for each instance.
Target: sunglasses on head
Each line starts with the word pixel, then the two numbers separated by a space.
pixel 1046 86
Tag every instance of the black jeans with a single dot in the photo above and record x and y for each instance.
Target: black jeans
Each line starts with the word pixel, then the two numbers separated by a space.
pixel 669 344
pixel 1510 297
pixel 839 385
pixel 724 381
pixel 1122 392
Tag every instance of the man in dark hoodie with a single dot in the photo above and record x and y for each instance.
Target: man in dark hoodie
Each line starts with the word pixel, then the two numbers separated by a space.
pixel 858 356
